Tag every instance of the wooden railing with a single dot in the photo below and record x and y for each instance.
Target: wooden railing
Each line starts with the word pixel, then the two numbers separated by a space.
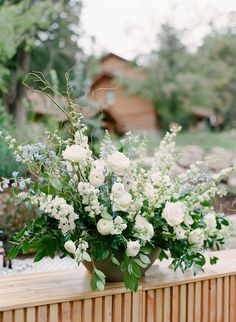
pixel 163 296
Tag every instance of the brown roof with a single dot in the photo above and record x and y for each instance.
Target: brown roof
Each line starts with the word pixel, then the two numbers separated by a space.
pixel 107 56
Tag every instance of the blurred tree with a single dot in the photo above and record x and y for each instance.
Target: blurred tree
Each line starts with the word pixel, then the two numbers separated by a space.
pixel 217 63
pixel 39 35
pixel 173 81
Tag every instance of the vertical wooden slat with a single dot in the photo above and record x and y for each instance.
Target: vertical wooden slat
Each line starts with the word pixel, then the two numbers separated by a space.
pixel 219 300
pixel 205 301
pixel 197 302
pixel 97 313
pixel 87 310
pixel 108 308
pixel 232 303
pixel 151 306
pixel 167 305
pixel 190 302
pixel 76 311
pixel 136 307
pixel 212 294
pixel 183 303
pixel 175 304
pixel 42 313
pixel 31 315
pixel 7 316
pixel 117 307
pixel 226 299
pixel 53 313
pixel 65 312
pixel 159 305
pixel 19 315
pixel 127 304
pixel 144 306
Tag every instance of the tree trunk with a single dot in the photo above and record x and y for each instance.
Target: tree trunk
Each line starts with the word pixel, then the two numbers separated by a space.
pixel 17 107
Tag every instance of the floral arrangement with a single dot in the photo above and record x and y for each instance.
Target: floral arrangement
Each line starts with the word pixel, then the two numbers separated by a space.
pixel 94 208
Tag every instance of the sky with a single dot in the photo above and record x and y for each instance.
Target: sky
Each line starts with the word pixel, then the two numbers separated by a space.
pixel 129 27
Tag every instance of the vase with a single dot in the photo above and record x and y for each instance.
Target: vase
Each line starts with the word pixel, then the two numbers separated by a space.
pixel 112 271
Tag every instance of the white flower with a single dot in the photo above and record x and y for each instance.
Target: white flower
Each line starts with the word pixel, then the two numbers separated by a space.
pixel 196 237
pixel 122 203
pixel 188 220
pixel 156 177
pixel 105 226
pixel 75 153
pixel 173 213
pixel 118 190
pixel 149 191
pixel 96 178
pixel 118 163
pixel 210 221
pixel 99 164
pixel 180 232
pixel 133 248
pixel 119 226
pixel 70 246
pixel 144 230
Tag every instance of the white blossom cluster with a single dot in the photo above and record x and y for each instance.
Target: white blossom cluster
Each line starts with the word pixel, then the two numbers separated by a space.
pixel 59 209
pixel 116 195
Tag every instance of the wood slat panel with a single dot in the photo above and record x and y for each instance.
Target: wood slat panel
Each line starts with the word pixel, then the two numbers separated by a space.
pixel 167 305
pixel 197 302
pixel 212 302
pixel 42 313
pixel 31 315
pixel 232 306
pixel 117 308
pixel 7 316
pixel 108 309
pixel 127 305
pixel 205 301
pixel 150 313
pixel 219 300
pixel 183 304
pixel 190 302
pixel 159 305
pixel 53 313
pixel 65 312
pixel 98 306
pixel 19 315
pixel 76 311
pixel 175 304
pixel 226 299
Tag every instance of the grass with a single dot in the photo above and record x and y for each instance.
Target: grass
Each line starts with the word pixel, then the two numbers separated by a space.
pixel 204 139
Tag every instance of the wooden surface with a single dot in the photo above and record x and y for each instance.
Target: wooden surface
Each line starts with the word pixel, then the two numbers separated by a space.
pixel 163 296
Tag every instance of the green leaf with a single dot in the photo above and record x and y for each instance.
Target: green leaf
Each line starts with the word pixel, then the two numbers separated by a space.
pixel 39 255
pixel 144 259
pixel 146 250
pixel 56 183
pixel 136 270
pixel 99 273
pixel 115 260
pixel 93 282
pixel 13 252
pixel 140 263
pixel 163 255
pixel 25 247
pixel 213 260
pixel 86 257
pixel 131 282
pixel 100 285
pixel 106 215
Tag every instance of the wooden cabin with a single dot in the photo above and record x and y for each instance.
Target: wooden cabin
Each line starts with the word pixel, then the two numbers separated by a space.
pixel 122 111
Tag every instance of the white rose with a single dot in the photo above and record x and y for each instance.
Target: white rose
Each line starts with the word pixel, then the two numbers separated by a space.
pixel 122 203
pixel 70 246
pixel 144 227
pixel 196 237
pixel 118 163
pixel 173 213
pixel 133 248
pixel 149 191
pixel 118 190
pixel 105 226
pixel 96 178
pixel 99 165
pixel 210 221
pixel 75 153
pixel 180 232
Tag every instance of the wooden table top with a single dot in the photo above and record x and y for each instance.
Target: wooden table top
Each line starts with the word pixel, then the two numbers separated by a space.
pixel 57 287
